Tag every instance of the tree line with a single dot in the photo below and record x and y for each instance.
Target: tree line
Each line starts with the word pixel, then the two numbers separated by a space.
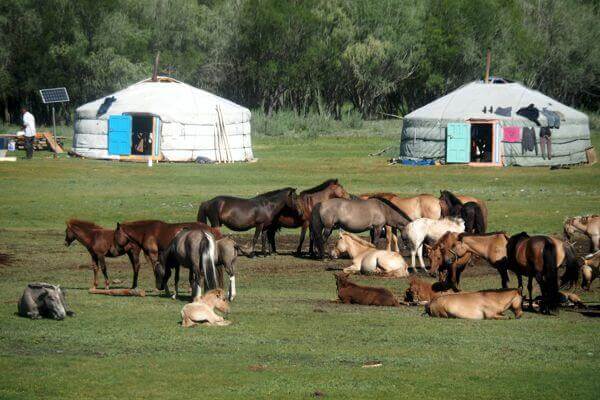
pixel 375 57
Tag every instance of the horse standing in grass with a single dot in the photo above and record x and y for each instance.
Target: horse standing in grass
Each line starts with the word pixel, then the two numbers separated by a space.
pixel 367 259
pixel 353 216
pixel 588 225
pixel 540 257
pixel 421 229
pixel 154 236
pixel 470 212
pixel 100 243
pixel 240 214
pixel 307 199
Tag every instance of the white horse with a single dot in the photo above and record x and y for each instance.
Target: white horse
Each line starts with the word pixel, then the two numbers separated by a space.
pixel 368 259
pixel 425 228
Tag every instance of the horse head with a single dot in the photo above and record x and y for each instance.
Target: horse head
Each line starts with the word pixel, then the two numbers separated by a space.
pixel 216 298
pixel 293 201
pixel 434 254
pixel 69 235
pixel 341 279
pixel 568 229
pixel 341 246
pixel 338 190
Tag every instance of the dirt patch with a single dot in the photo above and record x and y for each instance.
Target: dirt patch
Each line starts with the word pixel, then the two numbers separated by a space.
pixel 257 368
pixel 5 259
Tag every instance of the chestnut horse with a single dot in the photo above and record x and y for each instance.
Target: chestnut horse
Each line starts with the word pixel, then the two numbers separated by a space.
pixel 258 212
pixel 100 243
pixel 307 199
pixel 540 257
pixel 154 236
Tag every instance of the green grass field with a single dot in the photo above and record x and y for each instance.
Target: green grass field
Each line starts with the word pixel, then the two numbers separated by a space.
pixel 289 339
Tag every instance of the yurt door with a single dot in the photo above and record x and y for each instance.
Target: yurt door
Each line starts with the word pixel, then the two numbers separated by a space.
pixel 458 143
pixel 119 135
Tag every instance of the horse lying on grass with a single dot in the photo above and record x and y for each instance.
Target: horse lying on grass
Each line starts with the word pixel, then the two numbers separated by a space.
pixel 351 293
pixel 201 311
pixel 423 292
pixel 590 270
pixel 367 259
pixel 43 300
pixel 485 304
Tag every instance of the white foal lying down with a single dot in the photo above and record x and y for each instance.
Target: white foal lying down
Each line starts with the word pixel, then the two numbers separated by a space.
pixel 367 259
pixel 424 228
pixel 202 310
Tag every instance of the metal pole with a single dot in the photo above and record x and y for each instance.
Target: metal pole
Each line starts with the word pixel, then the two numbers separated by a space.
pixel 54 129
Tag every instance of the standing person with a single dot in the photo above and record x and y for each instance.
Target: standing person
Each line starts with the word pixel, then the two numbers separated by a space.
pixel 546 141
pixel 29 127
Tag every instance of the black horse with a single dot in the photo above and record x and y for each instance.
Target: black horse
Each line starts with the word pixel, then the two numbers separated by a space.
pixel 240 214
pixel 470 212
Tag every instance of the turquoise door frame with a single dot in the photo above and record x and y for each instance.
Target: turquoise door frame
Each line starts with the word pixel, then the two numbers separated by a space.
pixel 119 135
pixel 458 143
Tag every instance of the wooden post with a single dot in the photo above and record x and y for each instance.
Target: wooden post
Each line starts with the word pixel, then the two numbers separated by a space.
pixel 155 71
pixel 488 61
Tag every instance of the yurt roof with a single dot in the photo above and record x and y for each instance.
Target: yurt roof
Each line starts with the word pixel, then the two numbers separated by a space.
pixel 169 99
pixel 469 100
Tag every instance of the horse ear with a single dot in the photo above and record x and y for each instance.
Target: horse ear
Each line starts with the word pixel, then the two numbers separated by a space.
pixel 427 246
pixel 118 225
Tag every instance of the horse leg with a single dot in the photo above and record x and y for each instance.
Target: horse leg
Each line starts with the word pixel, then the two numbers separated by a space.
pixel 504 276
pixel 388 238
pixel 377 234
pixel 263 239
pixel 95 270
pixel 102 262
pixel 302 237
pixel 326 233
pixel 395 239
pixel 413 262
pixel 271 237
pixel 176 295
pixel 134 257
pixel 420 253
pixel 257 232
pixel 530 290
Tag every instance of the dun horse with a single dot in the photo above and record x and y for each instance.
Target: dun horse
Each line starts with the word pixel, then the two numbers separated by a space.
pixel 100 243
pixel 540 257
pixel 240 214
pixel 485 304
pixel 154 236
pixel 307 199
pixel 353 216
pixel 588 225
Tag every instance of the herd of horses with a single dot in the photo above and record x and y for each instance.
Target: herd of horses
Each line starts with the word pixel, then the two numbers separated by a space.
pixel 451 228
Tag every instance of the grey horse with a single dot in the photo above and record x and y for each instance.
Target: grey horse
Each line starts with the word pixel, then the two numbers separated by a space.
pixel 195 250
pixel 43 300
pixel 354 216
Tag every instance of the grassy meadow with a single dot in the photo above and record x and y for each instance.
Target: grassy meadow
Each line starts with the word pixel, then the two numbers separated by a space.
pixel 289 338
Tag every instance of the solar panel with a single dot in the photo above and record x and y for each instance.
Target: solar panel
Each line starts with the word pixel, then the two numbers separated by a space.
pixel 55 95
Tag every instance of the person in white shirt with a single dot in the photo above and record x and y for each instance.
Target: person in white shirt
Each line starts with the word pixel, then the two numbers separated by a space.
pixel 29 128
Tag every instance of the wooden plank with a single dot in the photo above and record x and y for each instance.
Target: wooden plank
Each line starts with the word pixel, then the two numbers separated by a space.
pixel 52 143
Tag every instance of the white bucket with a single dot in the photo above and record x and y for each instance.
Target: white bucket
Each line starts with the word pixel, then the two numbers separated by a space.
pixel 12 145
pixel 150 162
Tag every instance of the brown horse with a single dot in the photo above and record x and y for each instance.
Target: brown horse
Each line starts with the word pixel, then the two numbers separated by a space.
pixel 100 243
pixel 453 252
pixel 307 199
pixel 470 212
pixel 154 236
pixel 351 293
pixel 540 257
pixel 422 292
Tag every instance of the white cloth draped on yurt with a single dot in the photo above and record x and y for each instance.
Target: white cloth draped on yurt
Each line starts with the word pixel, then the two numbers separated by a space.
pixel 163 120
pixel 493 124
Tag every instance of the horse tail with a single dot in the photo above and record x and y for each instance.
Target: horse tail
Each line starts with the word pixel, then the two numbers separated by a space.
pixel 571 275
pixel 207 255
pixel 202 217
pixel 316 228
pixel 550 276
pixel 479 223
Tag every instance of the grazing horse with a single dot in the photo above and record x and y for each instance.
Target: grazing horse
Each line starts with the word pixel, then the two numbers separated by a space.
pixel 421 229
pixel 367 259
pixel 307 199
pixel 588 225
pixel 453 251
pixel 240 214
pixel 470 212
pixel 195 250
pixel 154 236
pixel 354 216
pixel 540 257
pixel 100 243
pixel 201 311
pixel 485 304
pixel 351 293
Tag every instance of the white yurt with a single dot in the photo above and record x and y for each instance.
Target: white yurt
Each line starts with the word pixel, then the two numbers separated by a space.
pixel 483 124
pixel 163 119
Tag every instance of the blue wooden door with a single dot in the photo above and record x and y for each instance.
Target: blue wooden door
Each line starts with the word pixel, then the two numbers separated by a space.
pixel 119 135
pixel 458 143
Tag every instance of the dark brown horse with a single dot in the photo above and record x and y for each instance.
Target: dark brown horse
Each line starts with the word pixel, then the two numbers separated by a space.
pixel 307 199
pixel 540 257
pixel 470 212
pixel 351 293
pixel 258 212
pixel 154 236
pixel 100 243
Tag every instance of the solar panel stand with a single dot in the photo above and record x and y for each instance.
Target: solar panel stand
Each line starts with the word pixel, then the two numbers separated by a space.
pixel 55 95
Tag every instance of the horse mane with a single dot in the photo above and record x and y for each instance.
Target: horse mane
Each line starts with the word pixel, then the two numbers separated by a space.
pixel 358 239
pixel 449 198
pixel 275 192
pixel 392 206
pixel 140 222
pixel 321 186
pixel 79 223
